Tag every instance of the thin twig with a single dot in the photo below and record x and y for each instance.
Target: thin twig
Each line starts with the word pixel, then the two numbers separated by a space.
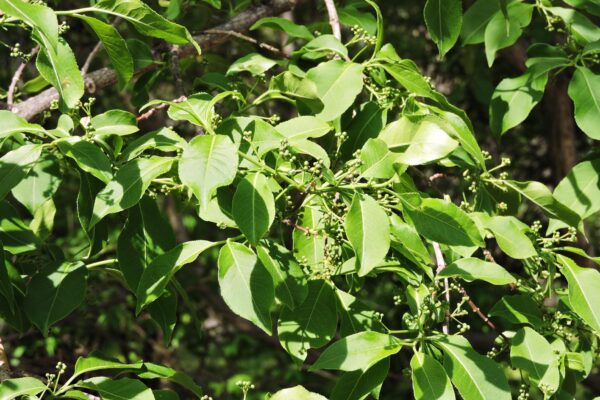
pixel 176 71
pixel 17 77
pixel 334 20
pixel 241 36
pixel 441 264
pixel 153 110
pixel 478 311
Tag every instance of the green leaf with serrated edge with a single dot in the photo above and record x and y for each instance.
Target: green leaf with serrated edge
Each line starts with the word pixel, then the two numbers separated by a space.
pixel 310 325
pixel 207 163
pixel 255 63
pixel 584 90
pixel 13 124
pixel 128 186
pixel 502 32
pixel 145 20
pixel 164 312
pixel 513 100
pixel 288 277
pixel 472 269
pixel 164 139
pixel 59 67
pixel 303 128
pixel 444 20
pixel 540 195
pixel 532 353
pixel 18 387
pixel 246 285
pixel 510 236
pixel 159 272
pixel 114 122
pixel 145 236
pixel 368 230
pixel 475 376
pixel 96 362
pixel 254 207
pixel 418 141
pixel 155 371
pixel 338 83
pixel 584 290
pixel 40 184
pixel 442 221
pixel 296 393
pixel 377 160
pixel 54 293
pixel 358 352
pixel 289 27
pixel 88 156
pixel 309 249
pixel 356 385
pixel 429 379
pixel 580 189
pixel 115 47
pixel 518 309
pixel 15 165
pixel 118 389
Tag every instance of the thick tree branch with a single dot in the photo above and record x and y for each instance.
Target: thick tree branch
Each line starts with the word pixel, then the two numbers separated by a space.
pixel 104 77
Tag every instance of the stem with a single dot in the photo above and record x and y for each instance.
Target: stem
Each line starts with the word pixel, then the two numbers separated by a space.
pixel 270 170
pixel 441 264
pixel 101 263
pixel 334 21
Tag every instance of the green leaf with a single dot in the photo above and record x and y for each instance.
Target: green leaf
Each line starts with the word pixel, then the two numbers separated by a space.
pixel 128 186
pixel 475 376
pixel 407 74
pixel 288 277
pixel 356 385
pixel 118 389
pixel 13 124
pixel 164 139
pixel 584 90
pixel 531 352
pixel 338 83
pixel 40 184
pixel 407 241
pixel 351 17
pixel 154 371
pixel 513 100
pixel 207 163
pixel 254 63
pixel 246 285
pixel 54 293
pixel 88 156
pixel 540 195
pixel 164 312
pixel 159 272
pixel 254 207
pixel 6 289
pixel 582 29
pixel 145 236
pixel 367 124
pixel 309 249
pixel 368 230
pixel 580 189
pixel 310 325
pixel 289 27
pixel 296 393
pixel 518 309
pixel 37 16
pixel 97 362
pixel 355 315
pixel 115 47
pixel 303 128
pixel 59 67
pixel 418 141
pixel 429 379
pixel 359 351
pixel 503 31
pixel 323 46
pixel 443 222
pixel 377 160
pixel 15 165
pixel 15 234
pixel 475 21
pixel 472 269
pixel 584 291
pixel 114 122
pixel 510 236
pixel 145 20
pixel 17 387
pixel 444 20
